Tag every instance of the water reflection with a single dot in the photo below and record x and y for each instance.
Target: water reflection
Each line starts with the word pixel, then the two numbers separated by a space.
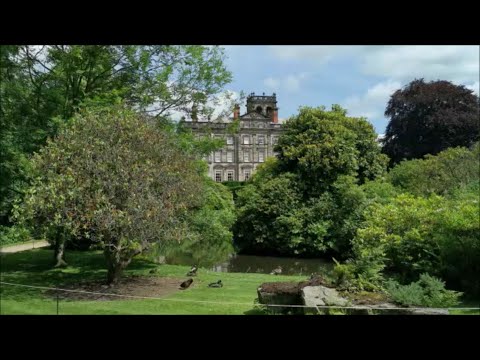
pixel 266 264
pixel 256 264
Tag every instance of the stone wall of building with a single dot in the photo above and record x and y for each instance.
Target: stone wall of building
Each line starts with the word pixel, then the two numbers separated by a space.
pixel 250 147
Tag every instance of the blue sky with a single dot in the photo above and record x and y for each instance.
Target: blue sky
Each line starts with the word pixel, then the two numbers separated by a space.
pixel 359 78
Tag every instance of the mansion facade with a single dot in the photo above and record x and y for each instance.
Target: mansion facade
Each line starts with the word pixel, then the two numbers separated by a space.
pixel 247 148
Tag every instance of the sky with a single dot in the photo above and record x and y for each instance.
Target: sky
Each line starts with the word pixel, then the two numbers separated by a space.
pixel 359 78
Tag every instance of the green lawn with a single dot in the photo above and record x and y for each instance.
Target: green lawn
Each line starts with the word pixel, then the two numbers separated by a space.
pixel 33 267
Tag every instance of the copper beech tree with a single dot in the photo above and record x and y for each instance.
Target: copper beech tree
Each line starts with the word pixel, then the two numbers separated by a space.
pixel 116 178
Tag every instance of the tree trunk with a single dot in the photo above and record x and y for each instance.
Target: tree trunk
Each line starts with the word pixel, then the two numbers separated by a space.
pixel 115 265
pixel 59 254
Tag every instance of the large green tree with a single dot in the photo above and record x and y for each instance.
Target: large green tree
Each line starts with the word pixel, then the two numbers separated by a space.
pixel 320 145
pixel 309 200
pixel 428 117
pixel 43 86
pixel 116 178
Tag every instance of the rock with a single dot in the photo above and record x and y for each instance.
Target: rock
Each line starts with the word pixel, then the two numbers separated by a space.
pixel 280 293
pixel 314 293
pixel 322 296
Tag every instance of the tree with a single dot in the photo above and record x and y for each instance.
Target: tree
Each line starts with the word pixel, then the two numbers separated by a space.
pixel 412 235
pixel 207 230
pixel 309 200
pixel 441 174
pixel 115 177
pixel 260 205
pixel 426 118
pixel 319 146
pixel 43 86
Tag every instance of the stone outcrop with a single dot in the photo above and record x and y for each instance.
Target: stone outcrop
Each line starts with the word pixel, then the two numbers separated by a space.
pixel 315 293
pixel 322 296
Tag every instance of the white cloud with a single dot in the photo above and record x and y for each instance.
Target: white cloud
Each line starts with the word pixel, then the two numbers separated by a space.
pixel 373 102
pixel 318 54
pixel 459 64
pixel 290 83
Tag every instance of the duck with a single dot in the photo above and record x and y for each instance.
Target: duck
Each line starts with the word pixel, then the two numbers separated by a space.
pixel 217 284
pixel 193 271
pixel 184 285
pixel 276 271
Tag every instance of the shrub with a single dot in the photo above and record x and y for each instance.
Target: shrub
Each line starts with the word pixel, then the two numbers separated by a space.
pixel 13 235
pixel 427 291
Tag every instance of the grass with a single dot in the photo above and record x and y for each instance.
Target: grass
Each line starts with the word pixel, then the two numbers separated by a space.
pixel 34 267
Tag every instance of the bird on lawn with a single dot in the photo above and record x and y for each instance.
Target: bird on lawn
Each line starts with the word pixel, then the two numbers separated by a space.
pixel 193 271
pixel 186 284
pixel 276 271
pixel 217 284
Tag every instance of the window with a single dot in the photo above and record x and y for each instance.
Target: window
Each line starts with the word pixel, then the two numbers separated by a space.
pixel 218 156
pixel 218 175
pixel 261 156
pixel 246 156
pixel 246 174
pixel 246 140
pixel 274 140
pixel 229 140
pixel 230 175
pixel 229 156
pixel 261 140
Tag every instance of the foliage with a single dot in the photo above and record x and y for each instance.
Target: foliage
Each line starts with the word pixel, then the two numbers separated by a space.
pixel 264 211
pixel 44 86
pixel 440 174
pixel 428 117
pixel 308 201
pixel 208 235
pixel 319 146
pixel 13 235
pixel 458 232
pixel 272 218
pixel 114 177
pixel 413 235
pixel 379 191
pixel 234 187
pixel 427 291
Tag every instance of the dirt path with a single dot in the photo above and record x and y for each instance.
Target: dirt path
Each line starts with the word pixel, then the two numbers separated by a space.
pixel 23 247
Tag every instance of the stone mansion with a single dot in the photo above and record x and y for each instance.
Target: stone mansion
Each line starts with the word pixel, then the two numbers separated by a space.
pixel 244 150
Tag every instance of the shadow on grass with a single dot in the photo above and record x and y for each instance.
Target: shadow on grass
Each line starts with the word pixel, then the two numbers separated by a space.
pixel 35 267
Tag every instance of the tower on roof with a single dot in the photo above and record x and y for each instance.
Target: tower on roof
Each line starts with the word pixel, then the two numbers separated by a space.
pixel 263 104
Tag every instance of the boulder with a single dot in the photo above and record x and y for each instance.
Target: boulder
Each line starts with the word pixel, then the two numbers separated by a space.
pixel 322 296
pixel 280 293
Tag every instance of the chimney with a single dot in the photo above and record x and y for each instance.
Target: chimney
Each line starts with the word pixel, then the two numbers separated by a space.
pixel 275 116
pixel 236 112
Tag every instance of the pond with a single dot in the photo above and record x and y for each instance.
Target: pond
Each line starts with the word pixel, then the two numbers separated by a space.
pixel 260 264
pixel 265 264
